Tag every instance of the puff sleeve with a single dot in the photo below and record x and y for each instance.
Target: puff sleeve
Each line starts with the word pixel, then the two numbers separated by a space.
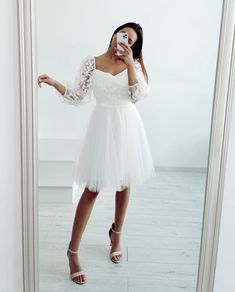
pixel 141 89
pixel 80 91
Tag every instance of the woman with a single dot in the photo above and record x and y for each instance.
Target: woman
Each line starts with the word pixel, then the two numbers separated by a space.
pixel 115 153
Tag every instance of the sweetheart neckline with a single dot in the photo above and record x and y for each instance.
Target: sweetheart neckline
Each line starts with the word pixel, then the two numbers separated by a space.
pixel 110 73
pixel 105 72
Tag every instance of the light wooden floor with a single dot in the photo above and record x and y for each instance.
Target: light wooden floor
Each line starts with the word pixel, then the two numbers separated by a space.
pixel 160 241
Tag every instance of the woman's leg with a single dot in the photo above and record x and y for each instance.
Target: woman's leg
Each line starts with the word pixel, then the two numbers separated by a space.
pixel 82 215
pixel 121 203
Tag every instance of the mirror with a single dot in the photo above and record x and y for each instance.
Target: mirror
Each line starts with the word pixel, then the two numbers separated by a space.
pixel 161 231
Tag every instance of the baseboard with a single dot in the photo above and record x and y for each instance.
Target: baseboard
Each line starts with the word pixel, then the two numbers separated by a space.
pixel 55 194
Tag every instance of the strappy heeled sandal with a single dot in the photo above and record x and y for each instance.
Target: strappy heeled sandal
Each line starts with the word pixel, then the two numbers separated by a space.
pixel 76 274
pixel 115 253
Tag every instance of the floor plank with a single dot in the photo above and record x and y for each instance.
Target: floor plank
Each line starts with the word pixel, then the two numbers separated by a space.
pixel 160 240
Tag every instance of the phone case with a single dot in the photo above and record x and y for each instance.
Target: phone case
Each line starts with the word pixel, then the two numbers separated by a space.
pixel 121 37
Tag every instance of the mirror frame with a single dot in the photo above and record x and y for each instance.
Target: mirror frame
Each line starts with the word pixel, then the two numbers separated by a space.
pixel 220 124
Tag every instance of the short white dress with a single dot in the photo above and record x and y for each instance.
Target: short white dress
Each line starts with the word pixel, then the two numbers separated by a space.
pixel 115 152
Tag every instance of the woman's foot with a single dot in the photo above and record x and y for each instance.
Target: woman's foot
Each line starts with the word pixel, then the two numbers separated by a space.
pixel 115 245
pixel 75 267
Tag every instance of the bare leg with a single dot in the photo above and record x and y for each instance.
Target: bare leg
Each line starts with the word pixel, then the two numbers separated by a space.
pixel 82 215
pixel 121 203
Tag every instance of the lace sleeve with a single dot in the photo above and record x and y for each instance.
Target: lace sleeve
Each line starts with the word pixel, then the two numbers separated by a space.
pixel 80 91
pixel 141 89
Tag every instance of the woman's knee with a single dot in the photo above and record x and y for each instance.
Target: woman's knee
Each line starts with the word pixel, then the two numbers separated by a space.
pixel 91 195
pixel 124 188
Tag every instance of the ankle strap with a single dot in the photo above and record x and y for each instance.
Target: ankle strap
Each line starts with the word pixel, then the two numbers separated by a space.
pixel 117 232
pixel 112 228
pixel 72 251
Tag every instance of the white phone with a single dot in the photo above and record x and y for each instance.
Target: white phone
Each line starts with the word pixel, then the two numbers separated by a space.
pixel 121 37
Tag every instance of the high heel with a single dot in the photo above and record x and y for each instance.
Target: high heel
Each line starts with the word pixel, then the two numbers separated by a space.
pixel 115 253
pixel 76 274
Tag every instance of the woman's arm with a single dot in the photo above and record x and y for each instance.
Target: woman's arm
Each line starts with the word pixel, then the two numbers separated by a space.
pixel 44 78
pixel 78 92
pixel 132 77
pixel 138 88
pixel 60 87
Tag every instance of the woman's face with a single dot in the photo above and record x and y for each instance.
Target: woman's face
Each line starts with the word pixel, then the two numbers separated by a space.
pixel 132 36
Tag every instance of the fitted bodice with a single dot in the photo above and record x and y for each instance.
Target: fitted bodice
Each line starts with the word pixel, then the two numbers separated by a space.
pixel 110 89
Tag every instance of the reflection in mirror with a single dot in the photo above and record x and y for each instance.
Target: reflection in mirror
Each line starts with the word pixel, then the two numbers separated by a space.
pixel 123 139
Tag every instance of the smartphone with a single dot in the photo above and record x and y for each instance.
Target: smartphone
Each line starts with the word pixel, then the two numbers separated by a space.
pixel 121 37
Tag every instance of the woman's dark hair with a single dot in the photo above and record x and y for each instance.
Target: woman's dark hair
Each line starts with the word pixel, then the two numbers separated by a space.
pixel 137 46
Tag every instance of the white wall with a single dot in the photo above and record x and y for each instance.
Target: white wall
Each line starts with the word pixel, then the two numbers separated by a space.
pixel 180 47
pixel 10 183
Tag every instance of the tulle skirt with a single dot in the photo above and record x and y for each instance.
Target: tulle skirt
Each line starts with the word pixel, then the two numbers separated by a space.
pixel 115 152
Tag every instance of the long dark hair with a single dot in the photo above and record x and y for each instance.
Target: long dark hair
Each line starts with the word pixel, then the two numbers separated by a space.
pixel 137 46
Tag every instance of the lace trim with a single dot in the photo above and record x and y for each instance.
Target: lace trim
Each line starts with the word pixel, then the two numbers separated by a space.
pixel 141 89
pixel 80 91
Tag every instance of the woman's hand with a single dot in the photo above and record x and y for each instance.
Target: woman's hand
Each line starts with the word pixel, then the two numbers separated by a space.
pixel 46 79
pixel 127 55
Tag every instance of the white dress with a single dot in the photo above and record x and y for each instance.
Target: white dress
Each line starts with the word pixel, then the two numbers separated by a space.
pixel 115 152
